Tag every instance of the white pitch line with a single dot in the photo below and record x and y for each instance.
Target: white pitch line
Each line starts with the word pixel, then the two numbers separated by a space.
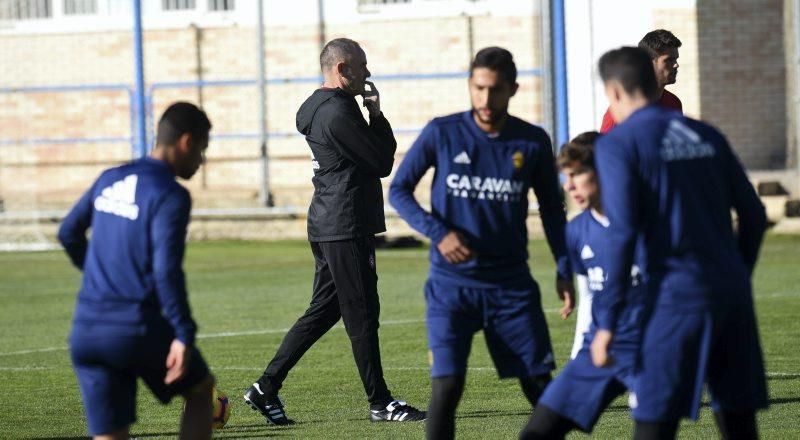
pixel 38 350
pixel 406 368
pixel 337 326
pixel 284 330
pixel 219 335
pixel 240 368
pixel 776 295
pixel 233 334
pixel 781 374
pixel 31 368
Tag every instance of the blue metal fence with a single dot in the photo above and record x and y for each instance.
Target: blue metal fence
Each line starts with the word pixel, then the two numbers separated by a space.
pixel 76 88
pixel 150 91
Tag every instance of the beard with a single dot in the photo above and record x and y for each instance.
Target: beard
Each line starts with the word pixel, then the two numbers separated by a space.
pixel 354 87
pixel 496 115
pixel 672 79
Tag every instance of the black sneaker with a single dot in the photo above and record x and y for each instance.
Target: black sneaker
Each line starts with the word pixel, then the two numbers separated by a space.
pixel 272 410
pixel 397 411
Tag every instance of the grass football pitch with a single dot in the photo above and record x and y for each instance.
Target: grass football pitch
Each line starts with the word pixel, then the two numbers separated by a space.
pixel 245 295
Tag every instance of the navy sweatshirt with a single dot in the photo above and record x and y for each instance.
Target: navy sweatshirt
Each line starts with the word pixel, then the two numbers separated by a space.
pixel 675 181
pixel 480 188
pixel 132 267
pixel 588 252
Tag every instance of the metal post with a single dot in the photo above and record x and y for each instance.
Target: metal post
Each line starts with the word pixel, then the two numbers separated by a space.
pixel 138 101
pixel 560 72
pixel 198 51
pixel 546 63
pixel 470 39
pixel 592 57
pixel 796 16
pixel 264 195
pixel 323 34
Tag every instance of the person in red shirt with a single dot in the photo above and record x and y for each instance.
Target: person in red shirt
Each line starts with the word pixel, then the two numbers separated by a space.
pixel 662 46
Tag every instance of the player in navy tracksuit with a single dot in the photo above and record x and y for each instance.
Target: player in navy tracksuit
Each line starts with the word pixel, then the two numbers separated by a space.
pixel 674 181
pixel 580 393
pixel 132 317
pixel 486 162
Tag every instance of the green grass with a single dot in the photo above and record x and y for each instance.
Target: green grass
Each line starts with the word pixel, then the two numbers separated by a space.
pixel 246 287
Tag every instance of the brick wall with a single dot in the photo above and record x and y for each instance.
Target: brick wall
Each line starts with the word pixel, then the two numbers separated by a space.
pixel 732 74
pixel 742 76
pixel 52 176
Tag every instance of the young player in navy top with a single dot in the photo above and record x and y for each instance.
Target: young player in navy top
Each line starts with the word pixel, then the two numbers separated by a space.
pixel 486 162
pixel 673 181
pixel 132 317
pixel 577 397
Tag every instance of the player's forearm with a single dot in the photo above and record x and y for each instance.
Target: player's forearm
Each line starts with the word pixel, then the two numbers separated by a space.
pixel 364 150
pixel 608 303
pixel 383 130
pixel 402 199
pixel 72 233
pixel 552 211
pixel 74 242
pixel 76 251
pixel 554 222
pixel 387 144
pixel 168 232
pixel 172 297
pixel 752 227
pixel 606 307
pixel 371 152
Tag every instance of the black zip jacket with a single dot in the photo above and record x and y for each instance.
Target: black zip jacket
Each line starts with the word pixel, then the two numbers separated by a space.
pixel 350 157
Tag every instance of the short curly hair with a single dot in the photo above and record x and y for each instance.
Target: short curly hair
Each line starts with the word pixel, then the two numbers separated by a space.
pixel 580 150
pixel 657 42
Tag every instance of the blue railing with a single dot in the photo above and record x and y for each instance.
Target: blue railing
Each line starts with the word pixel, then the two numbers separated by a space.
pixel 131 139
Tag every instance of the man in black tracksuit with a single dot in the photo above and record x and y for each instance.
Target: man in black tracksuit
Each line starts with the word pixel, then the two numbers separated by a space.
pixel 349 159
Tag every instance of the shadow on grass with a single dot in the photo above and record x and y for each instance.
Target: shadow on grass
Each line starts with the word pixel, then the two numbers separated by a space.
pixel 618 408
pixel 477 414
pixel 270 434
pixel 484 413
pixel 58 438
pixel 234 431
pixel 784 377
pixel 231 431
pixel 784 400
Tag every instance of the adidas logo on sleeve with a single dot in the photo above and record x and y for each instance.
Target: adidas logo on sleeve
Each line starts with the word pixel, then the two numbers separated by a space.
pixel 119 199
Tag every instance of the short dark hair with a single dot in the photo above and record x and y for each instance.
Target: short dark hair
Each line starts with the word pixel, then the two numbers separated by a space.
pixel 336 50
pixel 632 67
pixel 657 42
pixel 498 59
pixel 181 118
pixel 579 150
